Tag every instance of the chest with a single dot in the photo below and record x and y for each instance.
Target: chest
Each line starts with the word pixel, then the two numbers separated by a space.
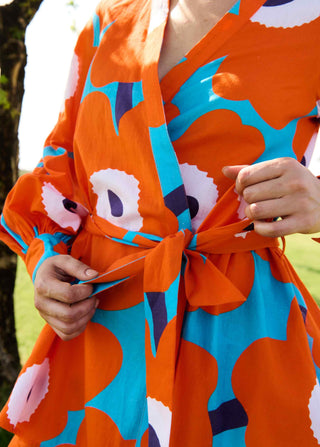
pixel 189 21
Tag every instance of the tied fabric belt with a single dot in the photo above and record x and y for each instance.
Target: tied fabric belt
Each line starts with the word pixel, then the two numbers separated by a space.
pixel 167 263
pixel 182 253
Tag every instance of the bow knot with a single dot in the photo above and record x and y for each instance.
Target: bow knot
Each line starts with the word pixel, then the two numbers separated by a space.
pixel 177 269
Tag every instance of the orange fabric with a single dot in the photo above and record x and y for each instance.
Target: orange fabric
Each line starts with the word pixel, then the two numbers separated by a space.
pixel 202 323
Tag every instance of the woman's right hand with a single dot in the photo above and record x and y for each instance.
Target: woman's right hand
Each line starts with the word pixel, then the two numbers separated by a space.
pixel 66 307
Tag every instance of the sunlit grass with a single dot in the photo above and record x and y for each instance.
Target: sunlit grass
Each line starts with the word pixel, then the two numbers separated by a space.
pixel 28 320
pixel 304 254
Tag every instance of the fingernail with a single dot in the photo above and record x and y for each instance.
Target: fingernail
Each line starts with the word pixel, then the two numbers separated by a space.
pixel 91 272
pixel 225 171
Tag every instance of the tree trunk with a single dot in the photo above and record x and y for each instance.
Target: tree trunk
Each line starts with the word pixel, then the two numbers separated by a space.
pixel 14 19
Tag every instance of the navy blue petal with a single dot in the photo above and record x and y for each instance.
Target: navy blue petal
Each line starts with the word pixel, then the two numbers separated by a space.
pixel 124 100
pixel 115 204
pixel 229 415
pixel 159 314
pixel 277 2
pixel 153 438
pixel 176 200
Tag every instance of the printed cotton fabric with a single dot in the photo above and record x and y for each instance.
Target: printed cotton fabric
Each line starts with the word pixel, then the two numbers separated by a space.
pixel 204 334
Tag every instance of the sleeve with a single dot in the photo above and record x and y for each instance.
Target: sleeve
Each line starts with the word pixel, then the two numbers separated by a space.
pixel 41 215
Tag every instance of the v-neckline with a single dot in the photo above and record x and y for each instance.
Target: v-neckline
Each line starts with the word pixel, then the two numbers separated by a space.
pixel 222 31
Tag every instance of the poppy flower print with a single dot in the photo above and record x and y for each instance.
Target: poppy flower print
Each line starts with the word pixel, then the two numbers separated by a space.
pixel 73 79
pixel 61 210
pixel 287 13
pixel 30 389
pixel 314 409
pixel 201 191
pixel 118 197
pixel 204 334
pixel 309 151
pixel 159 423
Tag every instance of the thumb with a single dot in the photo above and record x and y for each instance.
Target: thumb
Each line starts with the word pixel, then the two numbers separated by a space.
pixel 71 267
pixel 232 171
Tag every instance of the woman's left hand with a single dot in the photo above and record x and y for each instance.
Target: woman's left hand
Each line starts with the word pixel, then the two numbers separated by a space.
pixel 282 187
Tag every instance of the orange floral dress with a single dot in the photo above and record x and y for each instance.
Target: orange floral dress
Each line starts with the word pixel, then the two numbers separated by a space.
pixel 204 334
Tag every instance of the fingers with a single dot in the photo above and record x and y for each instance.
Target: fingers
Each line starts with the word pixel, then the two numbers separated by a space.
pixel 69 321
pixel 57 289
pixel 232 171
pixel 65 306
pixel 279 228
pixel 266 190
pixel 54 277
pixel 297 217
pixel 69 267
pixel 278 188
pixel 257 173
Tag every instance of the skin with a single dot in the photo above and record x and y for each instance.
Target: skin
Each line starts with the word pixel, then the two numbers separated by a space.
pixel 67 308
pixel 198 17
pixel 277 188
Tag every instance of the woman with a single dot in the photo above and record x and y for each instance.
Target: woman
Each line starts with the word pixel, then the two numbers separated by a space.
pixel 150 228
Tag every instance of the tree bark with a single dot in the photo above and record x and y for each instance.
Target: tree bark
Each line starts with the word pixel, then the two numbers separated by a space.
pixel 14 19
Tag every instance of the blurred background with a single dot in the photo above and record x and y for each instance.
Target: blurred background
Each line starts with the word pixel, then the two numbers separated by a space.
pixel 50 39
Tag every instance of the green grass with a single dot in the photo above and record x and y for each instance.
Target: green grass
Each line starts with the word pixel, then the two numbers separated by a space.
pixel 302 252
pixel 28 320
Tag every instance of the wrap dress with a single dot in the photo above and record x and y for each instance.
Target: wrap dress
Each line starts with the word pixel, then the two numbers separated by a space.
pixel 204 335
